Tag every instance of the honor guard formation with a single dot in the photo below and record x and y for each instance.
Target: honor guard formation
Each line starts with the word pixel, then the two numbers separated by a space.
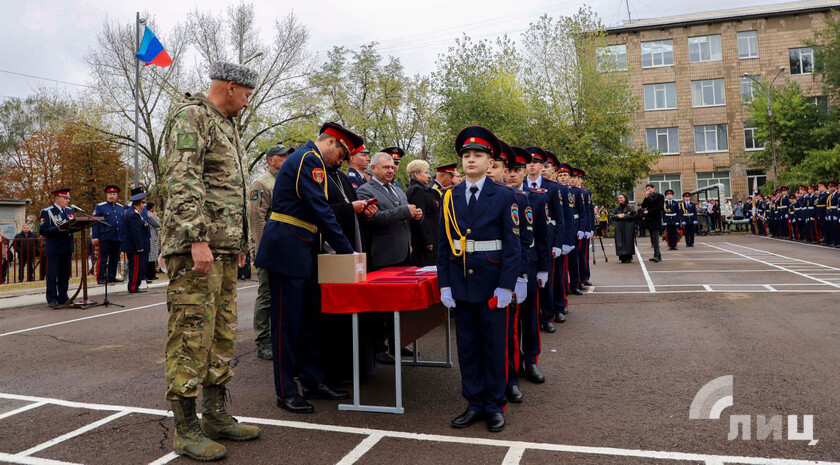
pixel 808 214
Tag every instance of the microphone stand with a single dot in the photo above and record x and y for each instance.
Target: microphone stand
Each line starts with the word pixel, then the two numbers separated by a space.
pixel 105 303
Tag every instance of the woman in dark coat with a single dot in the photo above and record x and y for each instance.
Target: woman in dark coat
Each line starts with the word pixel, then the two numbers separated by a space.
pixel 424 233
pixel 623 217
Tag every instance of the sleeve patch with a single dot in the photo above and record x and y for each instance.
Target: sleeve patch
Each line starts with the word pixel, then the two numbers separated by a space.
pixel 187 141
pixel 255 194
pixel 318 175
pixel 514 214
pixel 529 215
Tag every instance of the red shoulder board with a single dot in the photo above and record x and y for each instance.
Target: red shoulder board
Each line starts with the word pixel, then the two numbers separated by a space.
pixel 501 184
pixel 522 193
pixel 538 190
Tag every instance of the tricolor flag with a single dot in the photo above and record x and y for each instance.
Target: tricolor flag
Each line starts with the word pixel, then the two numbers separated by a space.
pixel 152 52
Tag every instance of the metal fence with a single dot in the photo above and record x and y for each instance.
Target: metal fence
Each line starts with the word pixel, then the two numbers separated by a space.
pixel 25 260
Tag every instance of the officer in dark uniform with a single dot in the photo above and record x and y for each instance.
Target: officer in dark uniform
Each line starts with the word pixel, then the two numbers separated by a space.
pixel 59 246
pixel 688 220
pixel 588 228
pixel 443 178
pixel 672 216
pixel 480 259
pixel 569 239
pixel 356 177
pixel 300 218
pixel 760 221
pixel 135 242
pixel 784 213
pixel 108 238
pixel 832 230
pixel 820 210
pixel 575 280
pixel 397 155
pixel 811 216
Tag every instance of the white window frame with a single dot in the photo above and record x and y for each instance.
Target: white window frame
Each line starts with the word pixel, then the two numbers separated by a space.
pixel 751 87
pixel 611 50
pixel 712 129
pixel 660 88
pixel 698 88
pixel 747 38
pixel 801 51
pixel 699 42
pixel 716 177
pixel 749 135
pixel 657 49
pixel 752 177
pixel 665 181
pixel 667 133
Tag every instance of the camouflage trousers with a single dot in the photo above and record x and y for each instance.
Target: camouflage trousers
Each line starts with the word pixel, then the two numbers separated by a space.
pixel 202 325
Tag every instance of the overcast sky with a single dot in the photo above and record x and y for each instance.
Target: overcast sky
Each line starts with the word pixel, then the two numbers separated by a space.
pixel 49 38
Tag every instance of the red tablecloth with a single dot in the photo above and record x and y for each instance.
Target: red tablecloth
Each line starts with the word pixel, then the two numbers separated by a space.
pixel 387 290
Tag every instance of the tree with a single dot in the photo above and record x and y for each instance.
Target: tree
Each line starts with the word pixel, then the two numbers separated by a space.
pixel 826 45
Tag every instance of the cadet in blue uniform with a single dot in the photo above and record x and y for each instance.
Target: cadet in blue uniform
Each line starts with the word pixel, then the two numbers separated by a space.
pixel 300 218
pixel 588 229
pixel 135 242
pixel 820 210
pixel 831 215
pixel 108 238
pixel 539 263
pixel 59 246
pixel 574 261
pixel 672 217
pixel 361 161
pixel 567 203
pixel 480 259
pixel 688 218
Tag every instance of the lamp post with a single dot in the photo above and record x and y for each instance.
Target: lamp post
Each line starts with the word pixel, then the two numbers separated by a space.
pixel 770 117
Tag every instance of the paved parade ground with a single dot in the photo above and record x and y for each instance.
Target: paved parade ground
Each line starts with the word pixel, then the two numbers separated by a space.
pixel 87 387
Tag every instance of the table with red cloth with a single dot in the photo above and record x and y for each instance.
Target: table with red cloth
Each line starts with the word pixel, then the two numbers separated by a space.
pixel 398 290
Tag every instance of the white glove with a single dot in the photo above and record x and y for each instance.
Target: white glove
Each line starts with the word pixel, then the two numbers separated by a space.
pixel 580 235
pixel 542 278
pixel 567 249
pixel 521 290
pixel 446 297
pixel 590 234
pixel 503 296
pixel 556 252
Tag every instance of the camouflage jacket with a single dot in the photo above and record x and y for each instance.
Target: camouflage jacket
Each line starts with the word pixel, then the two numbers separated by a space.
pixel 205 176
pixel 259 206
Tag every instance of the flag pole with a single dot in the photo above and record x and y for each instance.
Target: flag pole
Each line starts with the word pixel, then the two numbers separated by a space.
pixel 136 100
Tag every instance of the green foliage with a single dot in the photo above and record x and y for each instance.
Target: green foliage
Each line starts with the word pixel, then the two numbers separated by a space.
pixel 826 45
pixel 817 165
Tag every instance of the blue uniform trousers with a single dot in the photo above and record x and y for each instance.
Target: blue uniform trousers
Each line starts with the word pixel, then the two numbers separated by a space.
pixel 481 336
pixel 513 354
pixel 528 326
pixel 561 285
pixel 58 277
pixel 547 295
pixel 672 234
pixel 109 259
pixel 293 311
pixel 137 263
pixel 583 260
pixel 574 265
pixel 688 232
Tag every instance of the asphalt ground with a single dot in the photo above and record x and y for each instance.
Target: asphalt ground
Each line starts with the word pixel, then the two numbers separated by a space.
pixel 86 386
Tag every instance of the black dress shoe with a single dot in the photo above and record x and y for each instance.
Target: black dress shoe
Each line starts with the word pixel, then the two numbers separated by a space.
pixel 295 404
pixel 564 310
pixel 384 358
pixel 533 374
pixel 495 422
pixel 467 418
pixel 513 394
pixel 52 304
pixel 548 327
pixel 559 318
pixel 581 288
pixel 576 291
pixel 587 283
pixel 322 391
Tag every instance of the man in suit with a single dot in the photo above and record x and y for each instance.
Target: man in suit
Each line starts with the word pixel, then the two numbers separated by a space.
pixel 652 207
pixel 59 246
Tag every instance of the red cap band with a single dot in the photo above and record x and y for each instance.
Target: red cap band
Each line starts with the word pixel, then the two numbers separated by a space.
pixel 341 137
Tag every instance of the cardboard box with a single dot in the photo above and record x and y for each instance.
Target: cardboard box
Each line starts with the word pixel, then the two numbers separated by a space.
pixel 344 269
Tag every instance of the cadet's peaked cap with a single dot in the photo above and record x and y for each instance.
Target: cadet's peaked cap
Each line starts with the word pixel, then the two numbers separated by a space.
pixel 669 191
pixel 832 183
pixel 227 71
pixel 686 194
pixel 349 140
pixel 564 167
pixel 579 172
pixel 448 168
pixel 112 188
pixel 395 152
pixel 822 183
pixel 278 150
pixel 521 156
pixel 506 155
pixel 550 157
pixel 63 192
pixel 361 149
pixel 137 190
pixel 537 154
pixel 477 138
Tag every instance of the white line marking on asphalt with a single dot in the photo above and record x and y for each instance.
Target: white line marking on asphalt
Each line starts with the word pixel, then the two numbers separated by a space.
pixel 651 288
pixel 796 243
pixel 783 257
pixel 354 455
pixel 717 271
pixel 609 451
pixel 9 458
pixel 97 316
pixel 770 288
pixel 165 459
pixel 513 456
pixel 707 287
pixel 777 266
pixel 22 409
pixel 590 290
pixel 72 434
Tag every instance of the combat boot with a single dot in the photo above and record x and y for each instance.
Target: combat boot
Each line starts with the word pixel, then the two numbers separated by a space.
pixel 217 423
pixel 189 439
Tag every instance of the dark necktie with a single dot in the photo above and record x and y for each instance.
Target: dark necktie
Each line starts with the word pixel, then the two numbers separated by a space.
pixel 390 188
pixel 534 184
pixel 471 202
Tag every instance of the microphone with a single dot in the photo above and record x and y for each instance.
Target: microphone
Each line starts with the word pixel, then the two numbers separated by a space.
pixel 74 207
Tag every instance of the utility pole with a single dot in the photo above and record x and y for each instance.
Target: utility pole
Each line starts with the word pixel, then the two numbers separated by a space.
pixel 770 118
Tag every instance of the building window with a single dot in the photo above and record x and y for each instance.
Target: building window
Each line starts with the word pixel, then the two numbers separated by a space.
pixel 661 96
pixel 748 44
pixel 712 178
pixel 711 138
pixel 704 48
pixel 707 93
pixel 657 53
pixel 751 143
pixel 747 89
pixel 612 58
pixel 664 182
pixel 801 60
pixel 821 102
pixel 755 179
pixel 666 140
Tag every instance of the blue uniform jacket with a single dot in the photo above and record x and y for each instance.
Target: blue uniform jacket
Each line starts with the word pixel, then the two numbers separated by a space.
pixel 820 205
pixel 356 178
pixel 58 242
pixel 300 192
pixel 526 230
pixel 113 214
pixel 135 232
pixel 567 202
pixel 495 216
pixel 578 215
pixel 671 213
pixel 542 236
pixel 689 213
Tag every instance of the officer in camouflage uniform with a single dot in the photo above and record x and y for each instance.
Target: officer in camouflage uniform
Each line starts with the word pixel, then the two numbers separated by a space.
pixel 204 239
pixel 259 210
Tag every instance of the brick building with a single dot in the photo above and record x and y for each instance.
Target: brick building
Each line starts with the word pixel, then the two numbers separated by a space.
pixel 687 73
